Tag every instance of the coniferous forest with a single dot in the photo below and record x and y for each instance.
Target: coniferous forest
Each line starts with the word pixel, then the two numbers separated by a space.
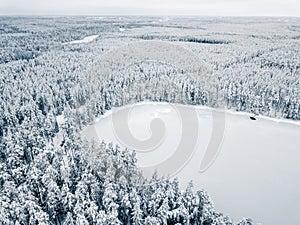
pixel 46 175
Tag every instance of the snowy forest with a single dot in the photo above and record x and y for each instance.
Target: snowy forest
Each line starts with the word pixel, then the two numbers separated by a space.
pixel 45 172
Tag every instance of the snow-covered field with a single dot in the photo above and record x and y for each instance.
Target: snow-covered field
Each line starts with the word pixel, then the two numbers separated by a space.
pixel 85 40
pixel 256 173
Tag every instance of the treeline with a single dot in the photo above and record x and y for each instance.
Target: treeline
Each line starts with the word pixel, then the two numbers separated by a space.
pixel 183 39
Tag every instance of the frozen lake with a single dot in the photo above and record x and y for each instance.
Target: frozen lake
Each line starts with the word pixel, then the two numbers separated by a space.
pixel 256 173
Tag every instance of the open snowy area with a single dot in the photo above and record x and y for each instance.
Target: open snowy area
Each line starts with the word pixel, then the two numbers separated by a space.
pixel 106 120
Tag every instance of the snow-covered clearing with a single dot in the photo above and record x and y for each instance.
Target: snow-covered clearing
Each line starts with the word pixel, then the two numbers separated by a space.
pixel 256 173
pixel 84 40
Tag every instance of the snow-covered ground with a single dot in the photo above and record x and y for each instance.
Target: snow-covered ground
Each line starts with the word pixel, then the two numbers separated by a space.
pixel 84 40
pixel 256 173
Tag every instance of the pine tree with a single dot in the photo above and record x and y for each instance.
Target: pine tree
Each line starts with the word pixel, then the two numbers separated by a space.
pixel 137 214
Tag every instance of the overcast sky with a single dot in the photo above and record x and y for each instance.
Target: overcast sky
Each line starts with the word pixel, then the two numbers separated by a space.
pixel 153 7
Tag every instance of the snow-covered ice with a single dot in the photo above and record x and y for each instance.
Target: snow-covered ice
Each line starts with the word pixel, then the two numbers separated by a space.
pixel 256 173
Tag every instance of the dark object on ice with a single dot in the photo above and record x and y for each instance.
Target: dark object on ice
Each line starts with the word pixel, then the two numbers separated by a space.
pixel 252 118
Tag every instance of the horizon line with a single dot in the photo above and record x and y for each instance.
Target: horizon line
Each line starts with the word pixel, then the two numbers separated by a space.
pixel 145 15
